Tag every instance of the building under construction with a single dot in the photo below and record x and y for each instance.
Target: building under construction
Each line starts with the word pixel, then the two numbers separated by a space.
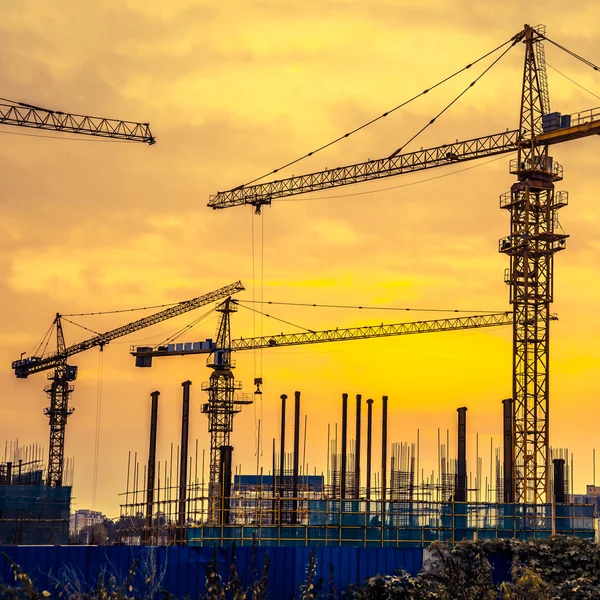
pixel 393 502
pixel 354 502
pixel 32 513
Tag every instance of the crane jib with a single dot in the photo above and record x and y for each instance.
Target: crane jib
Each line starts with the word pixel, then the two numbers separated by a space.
pixel 35 364
pixel 581 124
pixel 446 154
pixel 26 115
pixel 144 354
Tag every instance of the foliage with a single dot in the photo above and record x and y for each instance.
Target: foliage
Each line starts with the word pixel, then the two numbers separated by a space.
pixel 311 587
pixel 527 585
pixel 235 584
pixel 463 572
pixel 555 568
pixel 383 587
pixel 213 585
pixel 25 587
pixel 260 587
pixel 70 584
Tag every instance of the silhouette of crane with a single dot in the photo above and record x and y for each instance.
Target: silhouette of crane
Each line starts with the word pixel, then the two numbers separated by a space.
pixel 535 236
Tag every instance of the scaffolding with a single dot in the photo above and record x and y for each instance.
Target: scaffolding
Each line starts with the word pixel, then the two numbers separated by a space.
pixel 30 512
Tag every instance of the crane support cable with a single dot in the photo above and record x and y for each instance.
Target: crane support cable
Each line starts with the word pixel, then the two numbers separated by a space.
pixel 45 338
pixel 573 81
pixel 511 41
pixel 587 62
pixel 276 318
pixel 82 326
pixel 472 84
pixel 66 138
pixel 181 330
pixel 112 312
pixel 310 304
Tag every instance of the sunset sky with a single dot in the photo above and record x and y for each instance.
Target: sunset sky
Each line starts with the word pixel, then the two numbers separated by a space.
pixel 233 90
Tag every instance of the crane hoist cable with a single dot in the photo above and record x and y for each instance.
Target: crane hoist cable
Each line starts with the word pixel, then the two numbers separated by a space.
pixel 97 428
pixel 385 114
pixel 253 288
pixel 254 352
pixel 262 292
pixel 262 279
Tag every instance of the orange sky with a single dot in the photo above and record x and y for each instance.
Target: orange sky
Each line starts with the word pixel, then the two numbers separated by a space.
pixel 231 92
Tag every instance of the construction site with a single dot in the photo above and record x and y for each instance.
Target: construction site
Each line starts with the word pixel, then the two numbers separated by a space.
pixel 357 495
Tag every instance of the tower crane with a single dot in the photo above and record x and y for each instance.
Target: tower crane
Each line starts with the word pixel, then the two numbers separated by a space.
pixel 61 373
pixel 535 236
pixel 223 403
pixel 22 114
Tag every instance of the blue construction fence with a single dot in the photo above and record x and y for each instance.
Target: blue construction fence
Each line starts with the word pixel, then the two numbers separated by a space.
pixel 182 570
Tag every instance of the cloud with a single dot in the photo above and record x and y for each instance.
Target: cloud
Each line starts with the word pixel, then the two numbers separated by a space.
pixel 233 92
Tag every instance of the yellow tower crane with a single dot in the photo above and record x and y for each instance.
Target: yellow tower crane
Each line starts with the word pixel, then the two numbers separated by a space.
pixel 223 402
pixel 535 236
pixel 61 373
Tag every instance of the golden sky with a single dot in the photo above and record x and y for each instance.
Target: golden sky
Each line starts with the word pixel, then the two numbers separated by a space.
pixel 233 90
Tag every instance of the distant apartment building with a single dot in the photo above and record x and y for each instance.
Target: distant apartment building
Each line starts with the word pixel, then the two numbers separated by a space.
pixel 84 518
pixel 591 496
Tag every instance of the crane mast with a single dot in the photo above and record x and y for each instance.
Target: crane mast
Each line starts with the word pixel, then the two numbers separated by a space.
pixel 59 393
pixel 223 403
pixel 534 239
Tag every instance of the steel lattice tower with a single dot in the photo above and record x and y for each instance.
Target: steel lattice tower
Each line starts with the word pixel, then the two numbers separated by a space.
pixel 534 238
pixel 59 393
pixel 222 402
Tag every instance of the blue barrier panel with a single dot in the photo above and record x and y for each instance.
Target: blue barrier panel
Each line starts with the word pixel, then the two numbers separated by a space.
pixel 181 570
